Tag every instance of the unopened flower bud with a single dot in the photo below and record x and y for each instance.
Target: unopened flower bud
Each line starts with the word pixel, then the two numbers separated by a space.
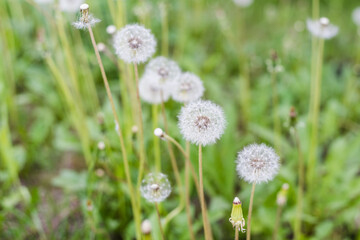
pixel 293 117
pixel 159 133
pixel 237 218
pixel 281 198
pixel 146 227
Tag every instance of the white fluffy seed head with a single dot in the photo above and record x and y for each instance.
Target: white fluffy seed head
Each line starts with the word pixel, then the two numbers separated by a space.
pixel 187 88
pixel 134 44
pixel 111 29
pixel 155 187
pixel 322 28
pixel 356 16
pixel 71 5
pixel 257 163
pixel 84 6
pixel 152 90
pixel 202 122
pixel 146 227
pixel 165 69
pixel 101 47
pixel 243 3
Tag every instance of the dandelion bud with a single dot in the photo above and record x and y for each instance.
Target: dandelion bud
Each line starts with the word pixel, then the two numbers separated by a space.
pixel 159 132
pixel 322 28
pixel 99 172
pixel 257 163
pixel 155 187
pixel 237 218
pixel 86 19
pixel 111 29
pixel 293 117
pixel 187 88
pixel 146 227
pixel 101 145
pixel 134 129
pixel 202 122
pixel 281 198
pixel 89 205
pixel 134 44
pixel 101 47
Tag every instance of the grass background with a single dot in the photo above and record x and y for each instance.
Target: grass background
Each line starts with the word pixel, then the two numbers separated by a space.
pixel 51 94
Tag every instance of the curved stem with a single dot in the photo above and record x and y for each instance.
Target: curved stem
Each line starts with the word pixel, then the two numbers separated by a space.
pixel 248 232
pixel 159 220
pixel 135 209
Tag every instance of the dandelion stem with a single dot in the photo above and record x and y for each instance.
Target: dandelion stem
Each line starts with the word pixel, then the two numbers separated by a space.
pixel 135 209
pixel 187 191
pixel 157 154
pixel 315 118
pixel 277 222
pixel 236 233
pixel 202 197
pixel 141 128
pixel 248 232
pixel 300 191
pixel 277 125
pixel 159 220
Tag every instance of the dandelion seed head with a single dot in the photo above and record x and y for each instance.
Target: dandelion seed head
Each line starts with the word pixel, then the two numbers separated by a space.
pixel 201 122
pixel 146 227
pixel 187 88
pixel 70 6
pixel 152 91
pixel 257 163
pixel 322 28
pixel 356 16
pixel 243 3
pixel 111 29
pixel 155 187
pixel 86 19
pixel 134 44
pixel 165 69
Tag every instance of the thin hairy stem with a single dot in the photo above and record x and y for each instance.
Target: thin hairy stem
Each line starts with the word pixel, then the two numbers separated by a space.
pixel 277 222
pixel 300 190
pixel 159 221
pixel 236 233
pixel 156 140
pixel 135 209
pixel 248 232
pixel 202 197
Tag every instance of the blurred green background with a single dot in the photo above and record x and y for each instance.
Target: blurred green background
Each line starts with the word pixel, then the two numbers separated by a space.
pixel 56 183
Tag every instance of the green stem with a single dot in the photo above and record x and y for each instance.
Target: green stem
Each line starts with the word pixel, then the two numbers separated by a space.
pixel 157 155
pixel 202 197
pixel 187 192
pixel 300 190
pixel 248 232
pixel 159 221
pixel 277 223
pixel 276 119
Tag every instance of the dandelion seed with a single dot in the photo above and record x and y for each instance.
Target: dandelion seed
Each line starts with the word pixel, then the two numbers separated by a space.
pixel 187 88
pixel 152 91
pixel 257 163
pixel 202 122
pixel 322 28
pixel 85 19
pixel 155 187
pixel 111 29
pixel 134 44
pixel 243 3
pixel 70 5
pixel 165 69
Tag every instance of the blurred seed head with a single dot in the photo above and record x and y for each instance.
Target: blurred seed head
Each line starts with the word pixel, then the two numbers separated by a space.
pixel 257 163
pixel 163 68
pixel 243 3
pixel 322 28
pixel 101 145
pixel 134 129
pixel 187 88
pixel 70 6
pixel 281 197
pixel 134 44
pixel 99 172
pixel 101 47
pixel 146 227
pixel 152 90
pixel 155 187
pixel 201 122
pixel 356 16
pixel 111 29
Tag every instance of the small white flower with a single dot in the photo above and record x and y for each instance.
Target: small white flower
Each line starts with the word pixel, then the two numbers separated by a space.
pixel 243 3
pixel 111 29
pixel 165 69
pixel 356 16
pixel 152 91
pixel 155 187
pixel 70 5
pixel 187 88
pixel 85 19
pixel 322 28
pixel 202 122
pixel 257 163
pixel 134 44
